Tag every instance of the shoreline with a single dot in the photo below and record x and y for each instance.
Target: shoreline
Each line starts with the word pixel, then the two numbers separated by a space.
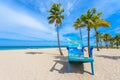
pixel 27 47
pixel 40 47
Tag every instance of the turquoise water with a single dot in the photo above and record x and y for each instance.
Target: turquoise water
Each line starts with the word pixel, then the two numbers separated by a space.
pixel 26 47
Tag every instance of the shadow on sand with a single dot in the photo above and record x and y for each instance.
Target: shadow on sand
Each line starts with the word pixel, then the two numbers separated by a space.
pixel 34 53
pixel 74 67
pixel 109 57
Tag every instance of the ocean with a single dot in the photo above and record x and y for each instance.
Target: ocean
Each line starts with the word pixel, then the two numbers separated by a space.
pixel 26 47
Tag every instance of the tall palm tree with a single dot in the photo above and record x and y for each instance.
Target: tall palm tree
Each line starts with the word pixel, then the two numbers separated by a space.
pixel 78 24
pixel 98 22
pixel 106 38
pixel 117 40
pixel 56 17
pixel 87 19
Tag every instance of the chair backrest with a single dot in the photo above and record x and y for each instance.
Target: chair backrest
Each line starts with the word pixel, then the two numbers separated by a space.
pixel 74 42
pixel 74 51
pixel 75 46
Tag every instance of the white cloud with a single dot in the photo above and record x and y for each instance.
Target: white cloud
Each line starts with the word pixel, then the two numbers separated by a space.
pixel 21 19
pixel 68 8
pixel 69 5
pixel 116 30
pixel 108 7
pixel 13 21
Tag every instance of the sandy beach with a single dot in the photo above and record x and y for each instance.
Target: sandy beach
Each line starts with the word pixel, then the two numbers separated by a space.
pixel 47 64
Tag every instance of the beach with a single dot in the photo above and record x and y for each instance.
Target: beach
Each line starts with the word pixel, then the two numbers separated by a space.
pixel 47 64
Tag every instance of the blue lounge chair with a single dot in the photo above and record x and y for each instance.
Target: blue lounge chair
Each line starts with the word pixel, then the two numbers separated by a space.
pixel 76 54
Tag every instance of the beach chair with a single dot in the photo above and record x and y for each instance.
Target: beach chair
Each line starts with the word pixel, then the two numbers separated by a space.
pixel 76 54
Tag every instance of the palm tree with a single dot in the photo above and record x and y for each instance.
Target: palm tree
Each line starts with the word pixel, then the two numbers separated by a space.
pixel 98 22
pixel 117 40
pixel 78 24
pixel 99 37
pixel 87 19
pixel 56 17
pixel 112 41
pixel 106 38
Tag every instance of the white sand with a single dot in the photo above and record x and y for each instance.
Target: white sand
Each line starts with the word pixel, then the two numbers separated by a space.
pixel 47 64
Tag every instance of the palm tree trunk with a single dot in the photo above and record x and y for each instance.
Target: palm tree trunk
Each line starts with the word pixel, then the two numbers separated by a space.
pixel 101 43
pixel 111 44
pixel 97 41
pixel 80 33
pixel 89 41
pixel 59 42
pixel 106 45
pixel 107 42
pixel 117 45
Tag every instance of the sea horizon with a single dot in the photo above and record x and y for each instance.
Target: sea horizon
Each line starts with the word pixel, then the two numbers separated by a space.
pixel 26 47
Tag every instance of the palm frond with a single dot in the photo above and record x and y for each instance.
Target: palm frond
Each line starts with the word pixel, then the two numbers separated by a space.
pixel 56 14
pixel 51 16
pixel 62 16
pixel 51 21
pixel 61 11
pixel 90 22
pixel 100 13
pixel 103 23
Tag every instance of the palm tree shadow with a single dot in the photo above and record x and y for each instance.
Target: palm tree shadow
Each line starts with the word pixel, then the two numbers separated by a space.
pixel 75 67
pixel 33 53
pixel 109 57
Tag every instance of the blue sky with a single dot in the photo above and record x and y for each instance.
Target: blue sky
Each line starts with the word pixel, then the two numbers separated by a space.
pixel 24 22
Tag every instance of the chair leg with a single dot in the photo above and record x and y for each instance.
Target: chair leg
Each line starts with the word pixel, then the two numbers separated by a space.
pixel 92 67
pixel 68 66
